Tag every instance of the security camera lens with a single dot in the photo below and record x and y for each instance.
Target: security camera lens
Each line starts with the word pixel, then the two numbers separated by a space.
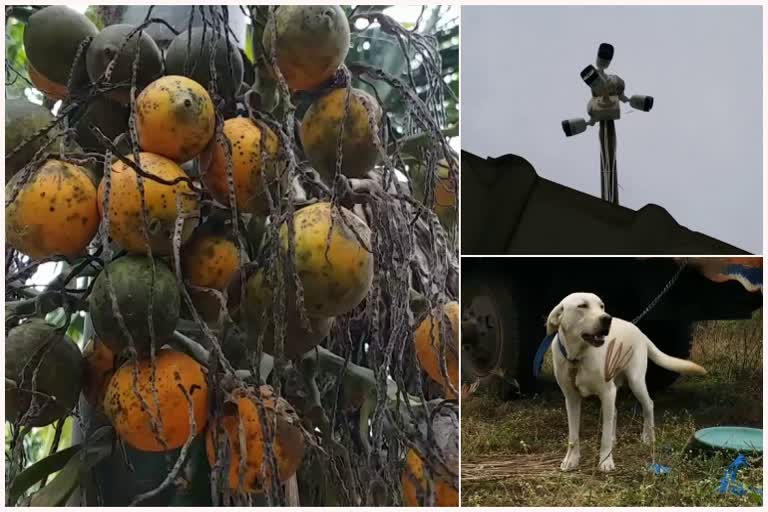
pixel 641 102
pixel 573 126
pixel 567 128
pixel 589 75
pixel 648 103
pixel 605 52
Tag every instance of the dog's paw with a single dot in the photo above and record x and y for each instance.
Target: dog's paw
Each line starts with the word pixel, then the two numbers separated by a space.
pixel 607 465
pixel 570 462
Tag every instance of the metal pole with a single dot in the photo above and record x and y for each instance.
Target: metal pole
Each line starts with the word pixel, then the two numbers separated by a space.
pixel 609 184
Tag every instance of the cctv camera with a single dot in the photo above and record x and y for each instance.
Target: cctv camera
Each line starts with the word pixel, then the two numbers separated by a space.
pixel 604 55
pixel 594 79
pixel 574 126
pixel 607 95
pixel 640 102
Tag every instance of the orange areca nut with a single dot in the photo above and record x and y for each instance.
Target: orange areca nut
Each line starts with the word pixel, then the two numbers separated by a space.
pixel 321 126
pixel 181 388
pixel 429 340
pixel 125 219
pixel 446 494
pixel 54 213
pixel 209 260
pixel 311 42
pixel 335 277
pixel 210 257
pixel 175 119
pixel 244 136
pixel 298 340
pixel 443 473
pixel 287 440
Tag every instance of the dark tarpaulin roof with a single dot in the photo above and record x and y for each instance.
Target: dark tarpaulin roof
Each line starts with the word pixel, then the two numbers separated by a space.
pixel 507 208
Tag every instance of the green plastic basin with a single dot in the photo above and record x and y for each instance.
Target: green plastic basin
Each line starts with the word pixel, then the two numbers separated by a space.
pixel 734 439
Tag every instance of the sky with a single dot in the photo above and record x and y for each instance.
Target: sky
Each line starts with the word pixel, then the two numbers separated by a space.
pixel 698 153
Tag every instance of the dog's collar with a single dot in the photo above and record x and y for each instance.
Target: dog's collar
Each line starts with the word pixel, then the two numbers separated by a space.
pixel 563 351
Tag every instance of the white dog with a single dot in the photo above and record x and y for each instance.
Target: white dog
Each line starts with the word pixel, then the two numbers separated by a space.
pixel 594 354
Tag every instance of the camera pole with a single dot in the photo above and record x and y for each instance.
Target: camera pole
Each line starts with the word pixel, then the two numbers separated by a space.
pixel 604 109
pixel 608 169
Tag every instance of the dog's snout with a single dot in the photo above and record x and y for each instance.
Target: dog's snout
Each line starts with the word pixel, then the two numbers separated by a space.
pixel 605 322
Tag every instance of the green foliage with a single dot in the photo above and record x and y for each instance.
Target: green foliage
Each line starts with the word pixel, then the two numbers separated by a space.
pixel 58 491
pixel 92 14
pixel 65 466
pixel 16 59
pixel 249 42
pixel 39 470
pixel 377 46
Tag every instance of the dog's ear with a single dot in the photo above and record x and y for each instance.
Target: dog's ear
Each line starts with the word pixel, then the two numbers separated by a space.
pixel 553 320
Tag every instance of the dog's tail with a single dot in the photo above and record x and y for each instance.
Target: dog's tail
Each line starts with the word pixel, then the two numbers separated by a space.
pixel 673 363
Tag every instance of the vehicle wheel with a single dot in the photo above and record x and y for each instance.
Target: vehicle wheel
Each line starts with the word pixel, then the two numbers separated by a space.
pixel 496 332
pixel 673 338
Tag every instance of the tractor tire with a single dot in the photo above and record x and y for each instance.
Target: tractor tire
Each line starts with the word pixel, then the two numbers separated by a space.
pixel 504 338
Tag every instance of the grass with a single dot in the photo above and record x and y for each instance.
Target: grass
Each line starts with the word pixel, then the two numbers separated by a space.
pixel 511 451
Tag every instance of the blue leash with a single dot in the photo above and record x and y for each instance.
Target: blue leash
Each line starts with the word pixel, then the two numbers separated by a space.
pixel 538 360
pixel 659 469
pixel 729 484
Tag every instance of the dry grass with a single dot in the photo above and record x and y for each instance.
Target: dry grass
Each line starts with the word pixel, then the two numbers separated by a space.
pixel 511 451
